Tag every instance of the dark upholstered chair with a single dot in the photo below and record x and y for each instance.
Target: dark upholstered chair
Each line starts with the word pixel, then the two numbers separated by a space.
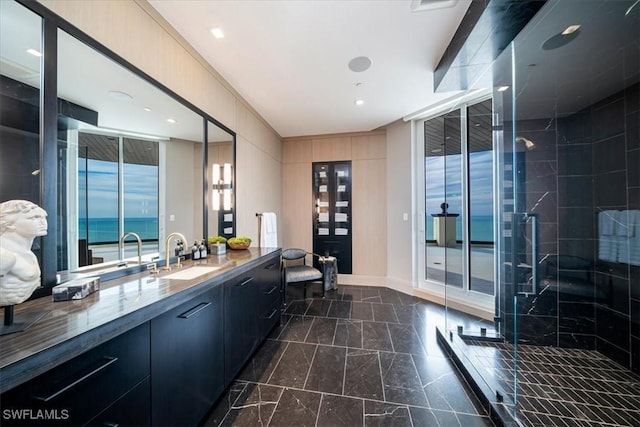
pixel 296 270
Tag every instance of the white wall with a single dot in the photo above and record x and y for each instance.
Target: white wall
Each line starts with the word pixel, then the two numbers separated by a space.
pixel 399 184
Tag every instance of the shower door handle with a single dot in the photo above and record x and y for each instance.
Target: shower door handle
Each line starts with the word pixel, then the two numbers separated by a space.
pixel 533 218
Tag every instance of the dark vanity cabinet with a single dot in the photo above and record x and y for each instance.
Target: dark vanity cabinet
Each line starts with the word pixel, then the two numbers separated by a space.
pixel 187 360
pixel 240 323
pixel 88 389
pixel 269 296
pixel 252 309
pixel 168 371
pixel 332 220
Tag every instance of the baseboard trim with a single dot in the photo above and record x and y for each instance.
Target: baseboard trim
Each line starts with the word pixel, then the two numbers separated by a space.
pixel 463 306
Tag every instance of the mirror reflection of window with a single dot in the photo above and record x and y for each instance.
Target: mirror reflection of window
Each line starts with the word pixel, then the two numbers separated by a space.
pixel 143 171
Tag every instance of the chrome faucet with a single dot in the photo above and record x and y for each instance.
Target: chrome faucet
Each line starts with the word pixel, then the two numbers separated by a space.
pixel 167 256
pixel 121 245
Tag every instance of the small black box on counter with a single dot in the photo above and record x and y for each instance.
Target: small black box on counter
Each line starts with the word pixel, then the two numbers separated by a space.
pixel 76 289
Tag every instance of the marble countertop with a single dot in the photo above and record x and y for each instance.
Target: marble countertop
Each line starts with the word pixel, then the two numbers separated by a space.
pixel 70 328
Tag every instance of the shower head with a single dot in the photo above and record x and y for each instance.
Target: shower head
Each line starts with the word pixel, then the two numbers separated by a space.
pixel 528 144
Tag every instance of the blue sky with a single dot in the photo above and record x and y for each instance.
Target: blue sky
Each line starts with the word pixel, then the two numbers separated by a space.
pixel 481 176
pixel 141 189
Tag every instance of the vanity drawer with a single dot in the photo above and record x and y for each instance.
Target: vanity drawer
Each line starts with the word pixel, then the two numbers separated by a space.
pixel 270 317
pixel 76 391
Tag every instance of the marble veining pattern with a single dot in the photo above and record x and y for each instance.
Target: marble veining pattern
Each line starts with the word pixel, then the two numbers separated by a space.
pixel 561 386
pixel 363 356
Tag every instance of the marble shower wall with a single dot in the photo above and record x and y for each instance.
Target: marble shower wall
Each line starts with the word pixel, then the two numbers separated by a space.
pixel 582 164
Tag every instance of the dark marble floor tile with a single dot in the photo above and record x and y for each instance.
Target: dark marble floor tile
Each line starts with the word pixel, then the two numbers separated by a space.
pixel 362 375
pixel 340 309
pixel 361 311
pixel 293 367
pixel 400 380
pixel 405 339
pixel 433 417
pixel 327 370
pixel 407 314
pixel 254 407
pixel 319 307
pixel 371 295
pixel 322 331
pixel 351 293
pixel 275 332
pixel 261 365
pixel 443 387
pixel 348 333
pixel 339 411
pixel 384 313
pixel 379 414
pixel 375 336
pixel 297 408
pixel 333 295
pixel 224 404
pixel 297 328
pixel 389 296
pixel 298 307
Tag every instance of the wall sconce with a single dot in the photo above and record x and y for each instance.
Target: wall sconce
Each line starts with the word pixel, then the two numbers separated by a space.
pixel 222 187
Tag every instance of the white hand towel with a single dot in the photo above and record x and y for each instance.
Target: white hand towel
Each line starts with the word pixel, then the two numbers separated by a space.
pixel 269 230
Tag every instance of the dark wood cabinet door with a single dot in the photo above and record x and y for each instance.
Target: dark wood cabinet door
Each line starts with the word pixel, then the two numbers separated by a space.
pixel 186 363
pixel 241 325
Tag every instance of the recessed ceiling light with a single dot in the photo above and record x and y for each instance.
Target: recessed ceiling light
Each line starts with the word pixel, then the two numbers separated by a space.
pixel 570 29
pixel 34 52
pixel 359 64
pixel 217 33
pixel 147 109
pixel 503 88
pixel 120 96
pixel 359 102
pixel 172 121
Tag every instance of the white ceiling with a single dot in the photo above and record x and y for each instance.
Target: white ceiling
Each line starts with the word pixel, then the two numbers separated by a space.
pixel 288 58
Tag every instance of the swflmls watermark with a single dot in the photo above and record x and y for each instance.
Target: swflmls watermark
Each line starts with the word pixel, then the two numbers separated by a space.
pixel 35 414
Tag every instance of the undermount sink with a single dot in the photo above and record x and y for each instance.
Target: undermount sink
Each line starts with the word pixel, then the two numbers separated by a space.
pixel 190 273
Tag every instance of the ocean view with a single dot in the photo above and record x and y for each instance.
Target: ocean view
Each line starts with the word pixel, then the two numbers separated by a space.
pixel 105 230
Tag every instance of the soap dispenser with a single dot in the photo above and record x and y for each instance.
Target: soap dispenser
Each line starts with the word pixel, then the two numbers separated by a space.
pixel 179 250
pixel 203 249
pixel 195 251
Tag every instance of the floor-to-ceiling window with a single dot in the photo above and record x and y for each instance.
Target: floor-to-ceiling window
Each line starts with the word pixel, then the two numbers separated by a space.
pixel 458 251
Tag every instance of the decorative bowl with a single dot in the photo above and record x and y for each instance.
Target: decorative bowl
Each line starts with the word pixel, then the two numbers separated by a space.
pixel 239 246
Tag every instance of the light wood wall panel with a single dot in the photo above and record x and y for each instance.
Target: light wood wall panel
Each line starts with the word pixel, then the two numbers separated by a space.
pixel 297 205
pixel 369 189
pixel 331 149
pixel 369 146
pixel 297 151
pixel 369 213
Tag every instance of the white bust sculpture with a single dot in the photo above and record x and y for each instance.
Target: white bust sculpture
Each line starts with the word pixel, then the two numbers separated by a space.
pixel 20 222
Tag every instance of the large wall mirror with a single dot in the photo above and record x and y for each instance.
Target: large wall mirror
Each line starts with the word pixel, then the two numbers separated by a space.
pixel 131 159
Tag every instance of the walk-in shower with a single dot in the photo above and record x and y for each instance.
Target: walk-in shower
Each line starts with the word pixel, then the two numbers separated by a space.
pixel 566 130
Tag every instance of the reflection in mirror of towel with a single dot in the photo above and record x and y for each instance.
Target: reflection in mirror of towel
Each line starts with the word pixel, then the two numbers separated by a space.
pixel 341 217
pixel 342 231
pixel 322 189
pixel 342 188
pixel 323 217
pixel 342 204
pixel 323 231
